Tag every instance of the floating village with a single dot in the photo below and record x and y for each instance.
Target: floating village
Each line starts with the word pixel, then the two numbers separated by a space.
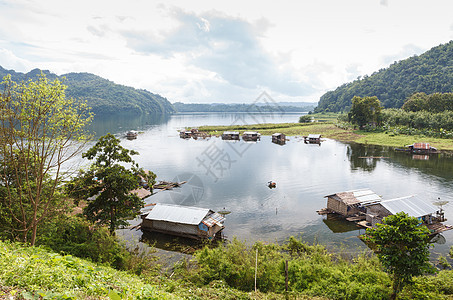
pixel 362 207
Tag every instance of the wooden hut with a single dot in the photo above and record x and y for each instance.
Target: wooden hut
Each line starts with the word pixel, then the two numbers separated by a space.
pixel 278 138
pixel 192 222
pixel 414 206
pixel 132 134
pixel 351 203
pixel 185 134
pixel 230 135
pixel 313 139
pixel 251 136
pixel 422 148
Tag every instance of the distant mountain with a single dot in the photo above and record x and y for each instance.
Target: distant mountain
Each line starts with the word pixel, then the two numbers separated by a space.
pixel 431 72
pixel 102 95
pixel 235 107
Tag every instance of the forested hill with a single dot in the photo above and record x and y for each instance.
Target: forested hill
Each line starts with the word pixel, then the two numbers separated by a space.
pixel 254 107
pixel 102 95
pixel 431 72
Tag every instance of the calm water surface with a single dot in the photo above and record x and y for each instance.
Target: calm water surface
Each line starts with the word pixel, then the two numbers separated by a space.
pixel 233 176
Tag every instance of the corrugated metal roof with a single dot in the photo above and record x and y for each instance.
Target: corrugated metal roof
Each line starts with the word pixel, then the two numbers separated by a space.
pixel 177 214
pixel 424 146
pixel 413 206
pixel 314 136
pixel 277 134
pixel 230 132
pixel 250 132
pixel 362 196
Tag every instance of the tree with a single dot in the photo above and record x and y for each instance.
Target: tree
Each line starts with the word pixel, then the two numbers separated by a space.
pixel 402 245
pixel 107 184
pixel 365 110
pixel 40 130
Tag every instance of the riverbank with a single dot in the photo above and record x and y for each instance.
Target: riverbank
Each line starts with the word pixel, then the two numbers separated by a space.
pixel 328 129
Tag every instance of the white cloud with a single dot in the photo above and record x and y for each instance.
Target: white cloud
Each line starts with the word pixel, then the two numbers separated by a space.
pixel 198 51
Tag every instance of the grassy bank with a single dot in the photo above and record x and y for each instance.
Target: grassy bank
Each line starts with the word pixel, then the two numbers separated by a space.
pixel 325 126
pixel 223 272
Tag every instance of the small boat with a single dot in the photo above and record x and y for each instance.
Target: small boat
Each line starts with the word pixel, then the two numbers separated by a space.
pixel 131 134
pixel 272 184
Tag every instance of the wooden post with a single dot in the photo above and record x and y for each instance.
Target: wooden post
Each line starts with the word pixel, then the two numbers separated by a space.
pixel 256 266
pixel 286 276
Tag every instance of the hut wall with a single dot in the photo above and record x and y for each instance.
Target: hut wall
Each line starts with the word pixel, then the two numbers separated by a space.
pixel 341 208
pixel 337 206
pixel 375 214
pixel 174 227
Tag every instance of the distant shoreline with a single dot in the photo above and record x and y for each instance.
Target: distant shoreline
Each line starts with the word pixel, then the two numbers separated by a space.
pixel 328 130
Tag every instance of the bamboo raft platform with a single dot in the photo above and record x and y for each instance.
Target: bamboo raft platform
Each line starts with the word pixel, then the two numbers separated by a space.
pixel 324 211
pixel 167 185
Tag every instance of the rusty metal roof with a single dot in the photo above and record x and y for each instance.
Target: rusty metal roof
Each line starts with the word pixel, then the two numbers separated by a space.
pixel 214 218
pixel 178 214
pixel 363 196
pixel 424 146
pixel 411 205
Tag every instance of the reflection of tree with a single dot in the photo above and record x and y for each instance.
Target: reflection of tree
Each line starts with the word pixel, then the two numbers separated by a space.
pixel 440 165
pixel 104 124
pixel 363 156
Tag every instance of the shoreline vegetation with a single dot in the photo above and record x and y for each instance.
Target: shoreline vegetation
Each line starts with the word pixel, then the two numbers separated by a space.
pixel 326 125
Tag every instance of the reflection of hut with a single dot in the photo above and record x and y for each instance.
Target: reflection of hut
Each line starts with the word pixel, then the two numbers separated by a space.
pixel 191 222
pixel 251 136
pixel 278 138
pixel 313 139
pixel 411 205
pixel 337 224
pixel 351 203
pixel 230 135
pixel 423 148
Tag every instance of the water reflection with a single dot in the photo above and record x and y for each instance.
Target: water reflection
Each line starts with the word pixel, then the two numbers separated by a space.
pixel 123 122
pixel 303 173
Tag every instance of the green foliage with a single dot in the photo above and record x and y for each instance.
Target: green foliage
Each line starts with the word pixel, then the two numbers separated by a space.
pixel 39 273
pixel 305 119
pixel 102 95
pixel 402 246
pixel 40 130
pixel 311 270
pixel 106 185
pixel 76 236
pixel 434 103
pixel 365 110
pixel 431 72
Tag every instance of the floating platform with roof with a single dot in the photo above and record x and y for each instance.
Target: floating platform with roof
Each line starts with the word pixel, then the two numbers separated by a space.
pixel 186 221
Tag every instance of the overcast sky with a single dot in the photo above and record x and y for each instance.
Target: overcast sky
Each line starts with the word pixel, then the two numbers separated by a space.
pixel 221 51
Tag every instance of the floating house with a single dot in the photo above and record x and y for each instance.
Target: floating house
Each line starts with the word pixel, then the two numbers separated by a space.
pixel 192 222
pixel 313 139
pixel 185 134
pixel 278 138
pixel 422 148
pixel 414 206
pixel 251 136
pixel 230 135
pixel 131 134
pixel 350 203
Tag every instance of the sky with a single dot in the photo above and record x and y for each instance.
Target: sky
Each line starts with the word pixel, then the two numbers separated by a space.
pixel 201 51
